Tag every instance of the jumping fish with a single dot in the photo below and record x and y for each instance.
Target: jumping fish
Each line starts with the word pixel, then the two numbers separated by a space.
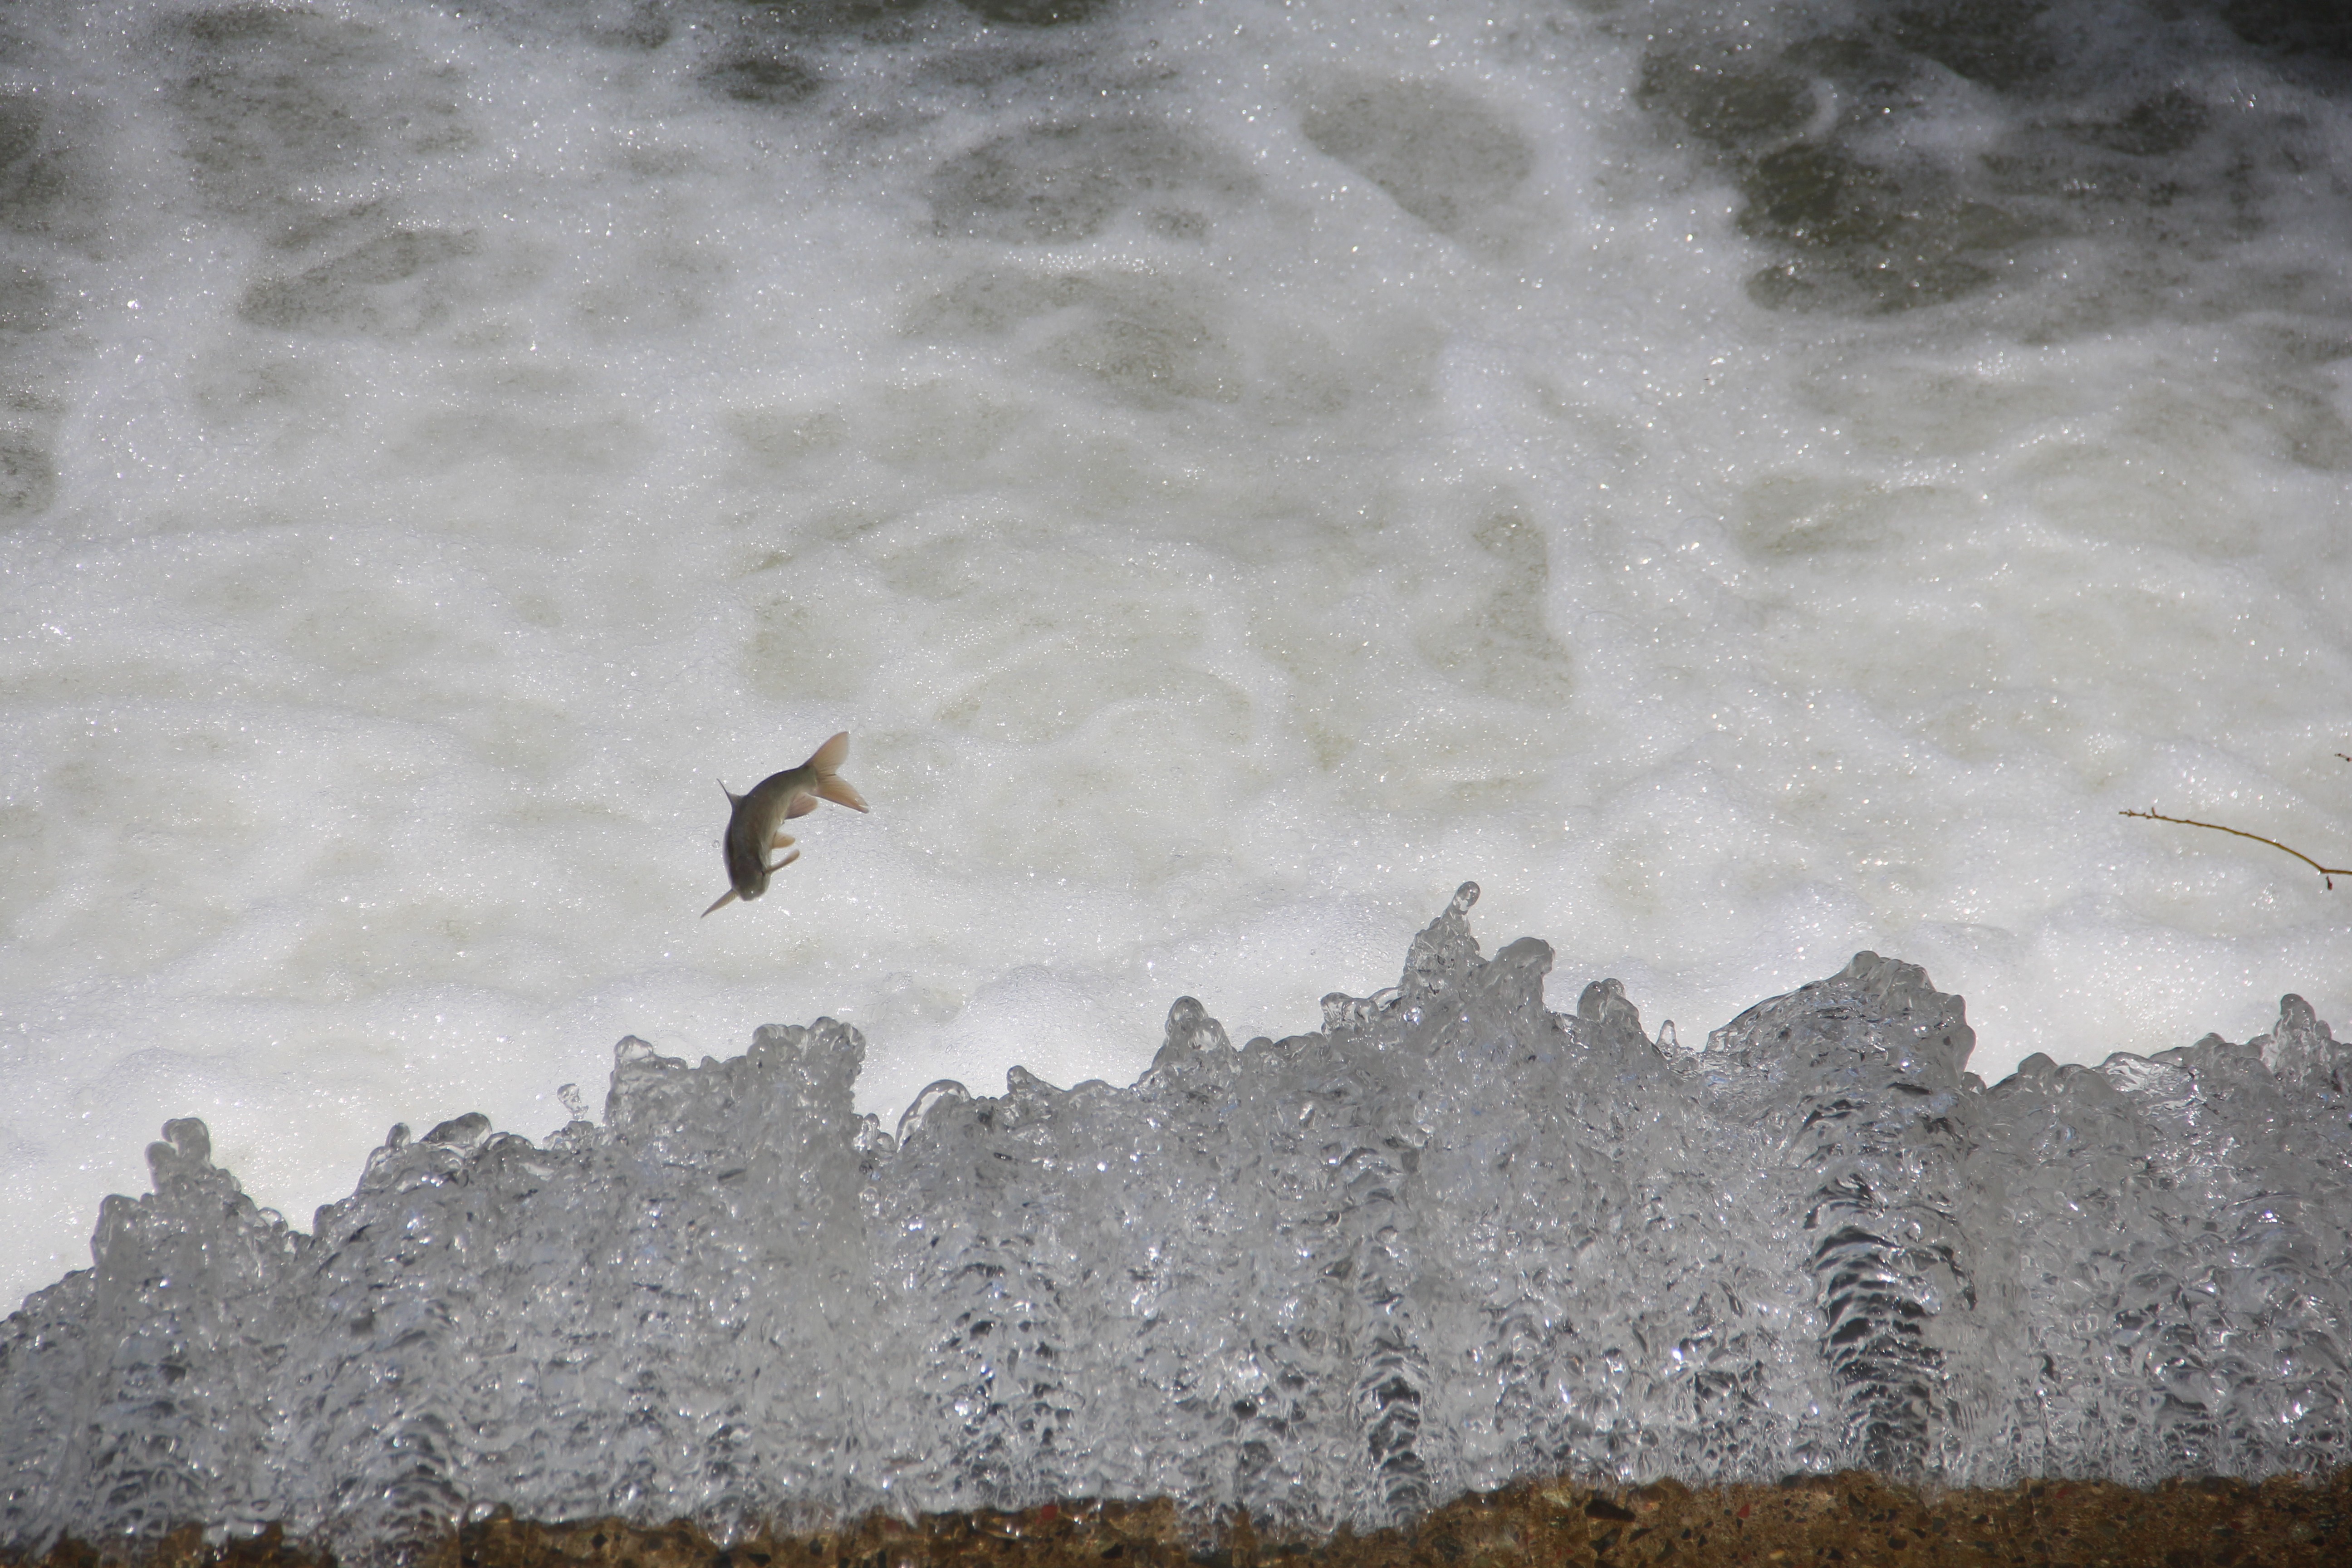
pixel 756 826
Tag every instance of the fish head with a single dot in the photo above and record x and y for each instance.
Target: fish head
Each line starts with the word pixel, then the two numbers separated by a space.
pixel 747 866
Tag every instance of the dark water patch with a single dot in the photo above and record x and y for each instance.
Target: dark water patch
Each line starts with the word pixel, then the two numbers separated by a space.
pixel 1058 183
pixel 285 112
pixel 1441 153
pixel 1918 155
pixel 28 473
pixel 2320 27
pixel 771 78
pixel 388 284
pixel 1037 13
pixel 28 299
pixel 36 178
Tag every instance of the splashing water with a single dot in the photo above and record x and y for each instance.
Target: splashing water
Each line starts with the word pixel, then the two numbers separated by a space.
pixel 1450 1240
pixel 1750 482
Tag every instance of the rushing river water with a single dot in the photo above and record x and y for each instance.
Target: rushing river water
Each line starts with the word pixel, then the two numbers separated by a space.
pixel 1744 483
pixel 1450 1240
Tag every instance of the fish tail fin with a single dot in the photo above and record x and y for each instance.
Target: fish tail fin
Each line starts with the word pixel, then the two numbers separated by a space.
pixel 824 763
pixel 841 792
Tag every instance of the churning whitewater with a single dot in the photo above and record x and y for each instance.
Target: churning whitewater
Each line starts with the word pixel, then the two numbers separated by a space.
pixel 1448 1239
pixel 1749 482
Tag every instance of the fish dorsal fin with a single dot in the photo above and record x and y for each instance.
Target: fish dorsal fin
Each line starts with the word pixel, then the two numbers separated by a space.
pixel 732 799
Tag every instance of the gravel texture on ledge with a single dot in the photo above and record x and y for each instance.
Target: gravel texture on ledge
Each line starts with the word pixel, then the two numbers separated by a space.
pixel 1855 1519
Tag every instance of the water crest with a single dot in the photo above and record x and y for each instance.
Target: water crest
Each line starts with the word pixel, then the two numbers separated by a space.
pixel 1451 1238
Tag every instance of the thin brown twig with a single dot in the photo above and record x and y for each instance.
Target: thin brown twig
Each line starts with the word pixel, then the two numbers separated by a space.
pixel 2327 874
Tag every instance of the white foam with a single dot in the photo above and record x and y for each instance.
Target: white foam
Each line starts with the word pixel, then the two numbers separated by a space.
pixel 514 431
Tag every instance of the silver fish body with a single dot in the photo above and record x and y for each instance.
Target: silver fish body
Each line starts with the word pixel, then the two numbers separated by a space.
pixel 756 824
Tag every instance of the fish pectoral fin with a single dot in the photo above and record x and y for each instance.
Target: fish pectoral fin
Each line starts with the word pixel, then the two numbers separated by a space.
pixel 841 793
pixel 781 841
pixel 728 899
pixel 785 862
pixel 801 805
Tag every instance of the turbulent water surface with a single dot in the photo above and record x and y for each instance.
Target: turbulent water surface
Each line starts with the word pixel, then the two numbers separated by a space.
pixel 1449 1239
pixel 1746 482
